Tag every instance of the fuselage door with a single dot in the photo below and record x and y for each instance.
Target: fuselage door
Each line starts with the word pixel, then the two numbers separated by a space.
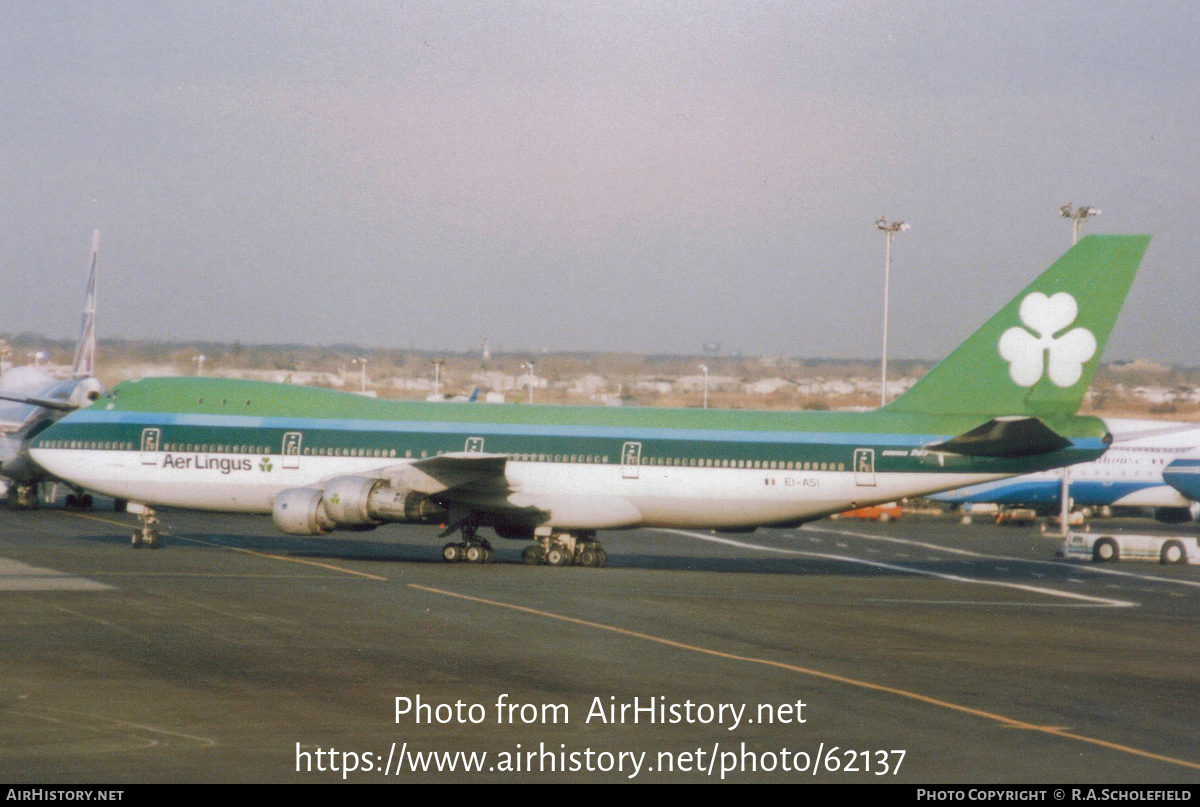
pixel 151 439
pixel 631 459
pixel 474 445
pixel 864 467
pixel 291 449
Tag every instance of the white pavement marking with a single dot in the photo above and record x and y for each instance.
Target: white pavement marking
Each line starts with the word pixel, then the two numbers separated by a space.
pixel 46 713
pixel 1099 601
pixel 1059 563
pixel 18 576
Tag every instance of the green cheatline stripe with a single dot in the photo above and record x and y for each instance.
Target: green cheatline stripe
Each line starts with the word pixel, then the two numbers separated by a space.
pixel 400 445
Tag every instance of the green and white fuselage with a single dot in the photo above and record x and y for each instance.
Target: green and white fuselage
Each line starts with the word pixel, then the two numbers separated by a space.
pixel 1001 404
pixel 235 445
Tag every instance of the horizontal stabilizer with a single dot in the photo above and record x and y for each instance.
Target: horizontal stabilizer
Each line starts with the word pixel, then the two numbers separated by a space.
pixel 1005 437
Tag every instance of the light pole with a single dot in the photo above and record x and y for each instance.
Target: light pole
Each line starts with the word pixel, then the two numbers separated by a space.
pixel 199 364
pixel 362 383
pixel 890 230
pixel 437 376
pixel 1077 216
pixel 529 367
pixel 704 367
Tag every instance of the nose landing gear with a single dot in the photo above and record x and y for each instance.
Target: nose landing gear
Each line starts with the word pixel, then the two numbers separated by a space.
pixel 146 534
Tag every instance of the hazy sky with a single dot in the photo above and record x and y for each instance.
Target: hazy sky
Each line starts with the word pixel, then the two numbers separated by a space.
pixel 590 175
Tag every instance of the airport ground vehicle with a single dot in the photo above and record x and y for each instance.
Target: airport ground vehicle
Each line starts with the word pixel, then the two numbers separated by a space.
pixel 1076 518
pixel 878 512
pixel 1111 547
pixel 1017 516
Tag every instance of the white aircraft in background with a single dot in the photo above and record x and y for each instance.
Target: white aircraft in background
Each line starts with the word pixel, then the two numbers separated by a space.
pixel 1130 474
pixel 31 400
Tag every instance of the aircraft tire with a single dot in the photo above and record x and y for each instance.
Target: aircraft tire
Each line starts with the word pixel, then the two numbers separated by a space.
pixel 588 558
pixel 532 555
pixel 452 553
pixel 557 556
pixel 137 540
pixel 475 554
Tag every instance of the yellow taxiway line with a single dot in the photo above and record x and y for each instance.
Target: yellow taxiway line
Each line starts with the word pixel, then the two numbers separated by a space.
pixel 1057 731
pixel 304 561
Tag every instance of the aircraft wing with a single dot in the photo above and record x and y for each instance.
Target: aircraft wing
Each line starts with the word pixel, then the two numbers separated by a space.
pixel 15 415
pixel 48 403
pixel 1005 437
pixel 455 471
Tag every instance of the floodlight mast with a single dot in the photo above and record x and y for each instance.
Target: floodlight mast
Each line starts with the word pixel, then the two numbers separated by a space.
pixel 529 367
pixel 1077 215
pixel 437 376
pixel 891 230
pixel 362 362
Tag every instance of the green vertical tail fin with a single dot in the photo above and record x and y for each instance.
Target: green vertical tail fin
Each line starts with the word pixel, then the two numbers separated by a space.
pixel 1038 355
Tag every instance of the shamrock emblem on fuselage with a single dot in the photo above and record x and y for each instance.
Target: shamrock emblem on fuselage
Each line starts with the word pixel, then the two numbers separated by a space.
pixel 1027 353
pixel 265 464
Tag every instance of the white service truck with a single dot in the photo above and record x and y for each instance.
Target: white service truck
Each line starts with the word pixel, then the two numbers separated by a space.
pixel 1111 547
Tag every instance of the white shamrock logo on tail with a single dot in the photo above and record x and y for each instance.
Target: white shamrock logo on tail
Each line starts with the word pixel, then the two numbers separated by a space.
pixel 1026 353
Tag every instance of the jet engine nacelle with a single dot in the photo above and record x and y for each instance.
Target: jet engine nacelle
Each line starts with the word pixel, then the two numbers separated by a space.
pixel 301 511
pixel 347 499
pixel 1174 515
pixel 350 502
pixel 85 392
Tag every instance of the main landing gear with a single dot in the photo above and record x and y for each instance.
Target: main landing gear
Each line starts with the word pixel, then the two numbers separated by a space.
pixel 469 549
pixel 28 497
pixel 23 497
pixel 550 548
pixel 565 549
pixel 79 501
pixel 146 534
